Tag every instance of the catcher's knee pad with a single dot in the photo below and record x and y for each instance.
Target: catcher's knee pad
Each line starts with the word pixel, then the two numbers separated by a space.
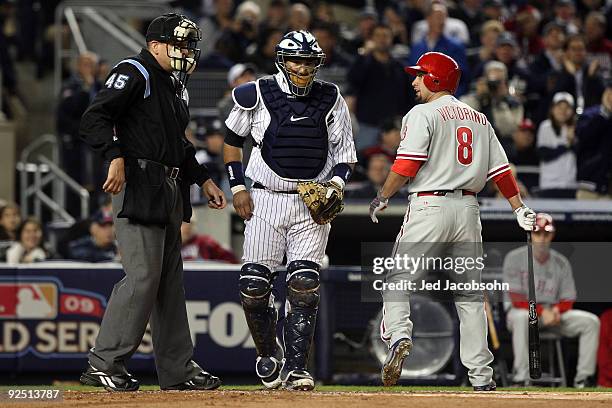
pixel 303 284
pixel 255 286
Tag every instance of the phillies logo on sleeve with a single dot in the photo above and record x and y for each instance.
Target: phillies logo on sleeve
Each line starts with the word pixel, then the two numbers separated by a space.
pixel 404 132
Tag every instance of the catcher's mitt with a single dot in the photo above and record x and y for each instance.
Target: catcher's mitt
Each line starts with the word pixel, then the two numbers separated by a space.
pixel 324 201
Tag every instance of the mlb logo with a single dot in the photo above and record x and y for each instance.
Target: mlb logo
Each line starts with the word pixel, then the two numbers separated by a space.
pixel 28 300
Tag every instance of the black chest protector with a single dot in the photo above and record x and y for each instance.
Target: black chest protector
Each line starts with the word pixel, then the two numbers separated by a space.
pixel 295 143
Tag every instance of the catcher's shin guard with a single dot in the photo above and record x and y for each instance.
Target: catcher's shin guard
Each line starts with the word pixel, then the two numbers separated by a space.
pixel 260 313
pixel 303 298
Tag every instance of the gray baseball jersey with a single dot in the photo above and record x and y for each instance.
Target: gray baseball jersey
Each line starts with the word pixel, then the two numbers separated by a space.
pixel 554 280
pixel 457 144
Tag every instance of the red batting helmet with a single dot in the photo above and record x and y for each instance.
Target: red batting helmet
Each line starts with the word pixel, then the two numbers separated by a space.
pixel 441 71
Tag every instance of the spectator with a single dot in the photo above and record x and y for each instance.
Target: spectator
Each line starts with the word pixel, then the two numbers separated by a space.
pixel 324 13
pixel 493 10
pixel 240 39
pixel 9 222
pixel 368 20
pixel 217 60
pixel 507 52
pixel 436 39
pixel 77 160
pixel 29 246
pixel 265 57
pixel 556 294
pixel 488 39
pixel 412 11
pixel 565 15
pixel 377 171
pixel 212 153
pixel 397 26
pixel 452 28
pixel 555 148
pixel 378 87
pixel 470 12
pixel 527 32
pixel 8 86
pixel 598 46
pixel 214 24
pixel 522 151
pixel 579 78
pixel 547 64
pixel 239 74
pixel 594 148
pixel 300 17
pixel 388 143
pixel 276 17
pixel 327 38
pixel 99 245
pixel 492 98
pixel 196 247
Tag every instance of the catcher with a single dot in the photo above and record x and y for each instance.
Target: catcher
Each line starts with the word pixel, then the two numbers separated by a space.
pixel 303 155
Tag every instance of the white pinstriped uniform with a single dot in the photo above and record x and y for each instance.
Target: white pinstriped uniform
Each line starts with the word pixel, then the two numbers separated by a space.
pixel 281 222
pixel 459 151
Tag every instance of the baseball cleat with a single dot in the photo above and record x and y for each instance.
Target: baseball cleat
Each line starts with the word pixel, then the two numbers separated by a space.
pixel 298 380
pixel 487 387
pixel 111 382
pixel 268 368
pixel 202 381
pixel 392 367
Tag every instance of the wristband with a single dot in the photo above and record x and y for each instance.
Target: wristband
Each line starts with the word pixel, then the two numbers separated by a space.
pixel 238 188
pixel 235 173
pixel 343 171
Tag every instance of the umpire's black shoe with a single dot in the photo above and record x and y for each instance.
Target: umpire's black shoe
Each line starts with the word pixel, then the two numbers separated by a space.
pixel 202 381
pixel 487 387
pixel 392 367
pixel 111 382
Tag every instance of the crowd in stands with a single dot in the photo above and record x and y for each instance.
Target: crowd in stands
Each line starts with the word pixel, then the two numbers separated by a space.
pixel 541 71
pixel 520 61
pixel 90 240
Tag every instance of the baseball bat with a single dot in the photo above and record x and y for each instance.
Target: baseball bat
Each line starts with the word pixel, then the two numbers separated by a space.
pixel 535 363
pixel 492 329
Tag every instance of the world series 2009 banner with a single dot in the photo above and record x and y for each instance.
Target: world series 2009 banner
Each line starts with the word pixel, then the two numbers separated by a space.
pixel 50 315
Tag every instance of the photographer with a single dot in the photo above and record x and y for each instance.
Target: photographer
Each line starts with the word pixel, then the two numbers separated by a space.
pixel 491 97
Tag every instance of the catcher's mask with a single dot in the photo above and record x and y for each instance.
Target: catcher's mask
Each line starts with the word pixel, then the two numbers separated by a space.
pixel 296 46
pixel 182 36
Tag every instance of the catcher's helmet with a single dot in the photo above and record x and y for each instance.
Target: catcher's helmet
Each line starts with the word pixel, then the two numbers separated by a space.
pixel 441 72
pixel 299 44
pixel 182 34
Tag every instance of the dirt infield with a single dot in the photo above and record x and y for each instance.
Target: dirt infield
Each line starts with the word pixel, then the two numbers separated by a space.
pixel 285 399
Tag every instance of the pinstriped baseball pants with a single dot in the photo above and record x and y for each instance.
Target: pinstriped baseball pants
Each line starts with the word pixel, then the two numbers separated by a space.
pixel 281 224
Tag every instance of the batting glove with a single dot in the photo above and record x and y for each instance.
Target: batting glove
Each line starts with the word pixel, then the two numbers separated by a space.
pixel 335 185
pixel 526 217
pixel 377 204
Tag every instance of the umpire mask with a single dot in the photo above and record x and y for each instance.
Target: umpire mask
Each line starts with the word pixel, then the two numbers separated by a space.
pixel 182 36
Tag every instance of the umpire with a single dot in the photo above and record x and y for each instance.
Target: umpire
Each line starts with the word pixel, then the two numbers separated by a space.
pixel 137 122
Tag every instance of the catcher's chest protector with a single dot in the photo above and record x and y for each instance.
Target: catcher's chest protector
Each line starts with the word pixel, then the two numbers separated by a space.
pixel 295 143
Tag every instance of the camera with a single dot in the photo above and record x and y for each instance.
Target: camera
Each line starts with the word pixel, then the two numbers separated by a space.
pixel 493 85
